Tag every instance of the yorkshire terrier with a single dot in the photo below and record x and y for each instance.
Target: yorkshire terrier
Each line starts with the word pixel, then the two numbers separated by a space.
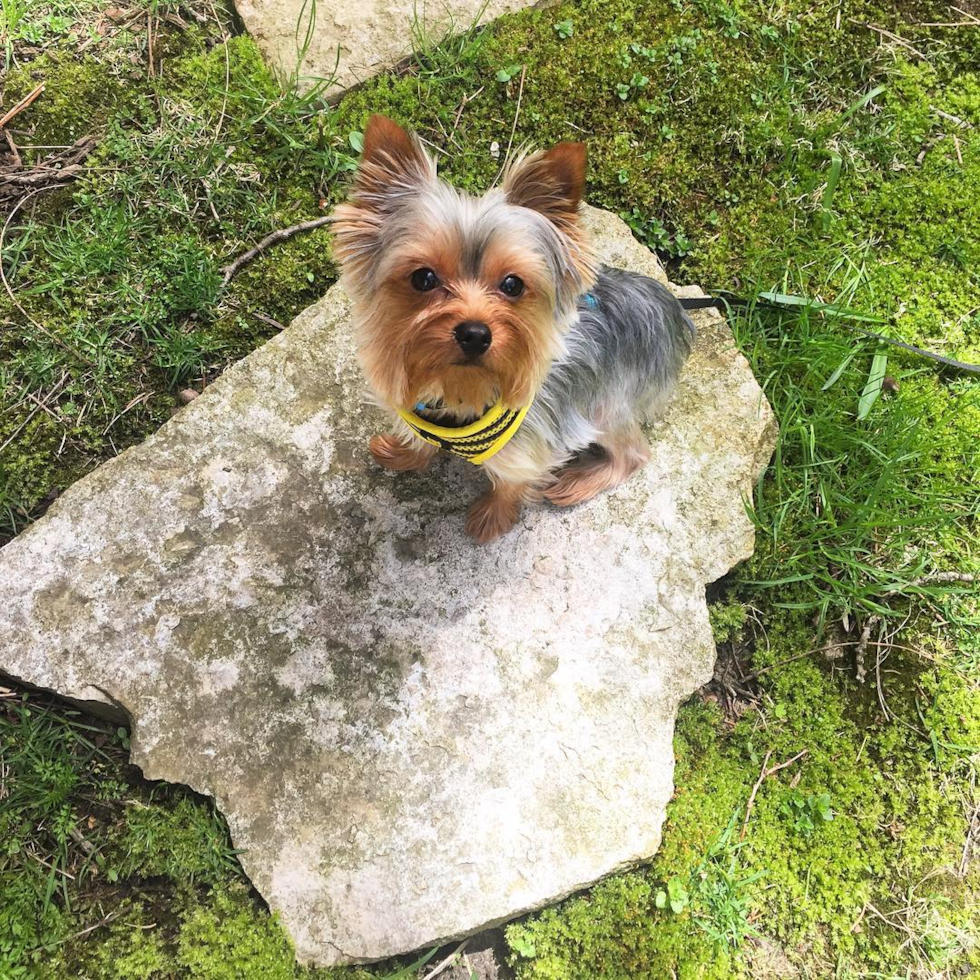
pixel 487 327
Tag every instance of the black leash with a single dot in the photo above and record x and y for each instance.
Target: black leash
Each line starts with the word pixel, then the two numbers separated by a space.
pixel 725 301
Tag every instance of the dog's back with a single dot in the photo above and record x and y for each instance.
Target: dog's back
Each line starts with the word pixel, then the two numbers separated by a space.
pixel 622 357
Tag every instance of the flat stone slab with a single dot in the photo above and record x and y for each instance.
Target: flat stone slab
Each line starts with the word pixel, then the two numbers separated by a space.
pixel 350 42
pixel 412 737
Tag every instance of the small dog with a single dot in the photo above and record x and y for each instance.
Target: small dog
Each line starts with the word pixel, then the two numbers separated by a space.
pixel 487 327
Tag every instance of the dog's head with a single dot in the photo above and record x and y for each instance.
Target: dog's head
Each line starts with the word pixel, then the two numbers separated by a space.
pixel 460 298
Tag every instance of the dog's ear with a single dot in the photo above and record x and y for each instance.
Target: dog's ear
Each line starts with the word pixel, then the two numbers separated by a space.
pixel 550 182
pixel 393 167
pixel 392 159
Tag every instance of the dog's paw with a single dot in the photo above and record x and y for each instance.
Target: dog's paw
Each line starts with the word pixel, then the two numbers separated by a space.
pixel 576 484
pixel 393 454
pixel 491 516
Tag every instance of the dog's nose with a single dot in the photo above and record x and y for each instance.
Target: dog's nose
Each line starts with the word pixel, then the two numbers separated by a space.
pixel 473 337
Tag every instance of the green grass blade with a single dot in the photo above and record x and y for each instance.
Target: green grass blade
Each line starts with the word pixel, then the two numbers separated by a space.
pixel 838 371
pixel 872 389
pixel 861 102
pixel 831 309
pixel 828 195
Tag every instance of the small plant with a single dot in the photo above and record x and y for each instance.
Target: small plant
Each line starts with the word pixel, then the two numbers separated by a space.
pixel 12 26
pixel 727 620
pixel 637 81
pixel 440 54
pixel 807 812
pixel 504 75
pixel 676 894
pixel 654 233
pixel 716 893
pixel 564 29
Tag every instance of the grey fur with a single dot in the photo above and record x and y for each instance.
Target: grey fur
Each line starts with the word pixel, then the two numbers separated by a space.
pixel 623 353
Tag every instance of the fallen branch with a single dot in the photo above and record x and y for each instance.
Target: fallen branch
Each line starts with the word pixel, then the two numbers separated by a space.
pixel 892 37
pixel 59 168
pixel 972 835
pixel 826 648
pixel 447 962
pixel 14 152
pixel 86 845
pixel 283 234
pixel 22 105
pixel 949 117
pixel 860 670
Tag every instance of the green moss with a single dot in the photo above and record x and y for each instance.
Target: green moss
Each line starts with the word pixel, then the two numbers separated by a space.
pixel 79 95
pixel 181 839
pixel 221 934
pixel 727 620
pixel 226 939
pixel 131 949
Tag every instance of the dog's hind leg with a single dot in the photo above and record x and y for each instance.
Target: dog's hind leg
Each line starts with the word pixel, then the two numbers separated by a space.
pixel 622 452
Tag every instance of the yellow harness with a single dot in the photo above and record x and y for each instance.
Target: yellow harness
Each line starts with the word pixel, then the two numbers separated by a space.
pixel 475 442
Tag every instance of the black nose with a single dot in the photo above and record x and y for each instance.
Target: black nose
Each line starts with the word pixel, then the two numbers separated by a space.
pixel 473 336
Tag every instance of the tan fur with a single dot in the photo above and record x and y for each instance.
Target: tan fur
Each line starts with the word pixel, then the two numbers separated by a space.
pixel 393 453
pixel 553 182
pixel 495 513
pixel 624 452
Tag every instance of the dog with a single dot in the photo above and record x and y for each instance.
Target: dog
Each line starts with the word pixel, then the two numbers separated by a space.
pixel 488 328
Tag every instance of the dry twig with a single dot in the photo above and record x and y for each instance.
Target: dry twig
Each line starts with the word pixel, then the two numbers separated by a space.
pixel 14 152
pixel 57 169
pixel 972 835
pixel 513 128
pixel 447 962
pixel 862 648
pixel 283 234
pixel 892 37
pixel 22 105
pixel 767 771
pixel 86 845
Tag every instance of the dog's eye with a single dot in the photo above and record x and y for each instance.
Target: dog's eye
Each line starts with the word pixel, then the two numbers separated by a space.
pixel 424 279
pixel 512 286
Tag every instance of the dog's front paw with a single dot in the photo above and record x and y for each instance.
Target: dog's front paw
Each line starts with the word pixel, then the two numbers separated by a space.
pixel 491 515
pixel 393 454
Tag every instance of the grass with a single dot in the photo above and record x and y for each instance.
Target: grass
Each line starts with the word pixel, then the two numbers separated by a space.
pixel 123 275
pixel 763 150
pixel 859 513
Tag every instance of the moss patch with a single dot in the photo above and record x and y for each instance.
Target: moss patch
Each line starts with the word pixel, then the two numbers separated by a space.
pixel 119 276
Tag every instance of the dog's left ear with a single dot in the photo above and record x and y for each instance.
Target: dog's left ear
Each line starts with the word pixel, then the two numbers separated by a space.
pixel 550 182
pixel 392 169
pixel 392 158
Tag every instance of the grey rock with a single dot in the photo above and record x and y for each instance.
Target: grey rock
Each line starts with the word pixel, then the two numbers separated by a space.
pixel 412 737
pixel 350 42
